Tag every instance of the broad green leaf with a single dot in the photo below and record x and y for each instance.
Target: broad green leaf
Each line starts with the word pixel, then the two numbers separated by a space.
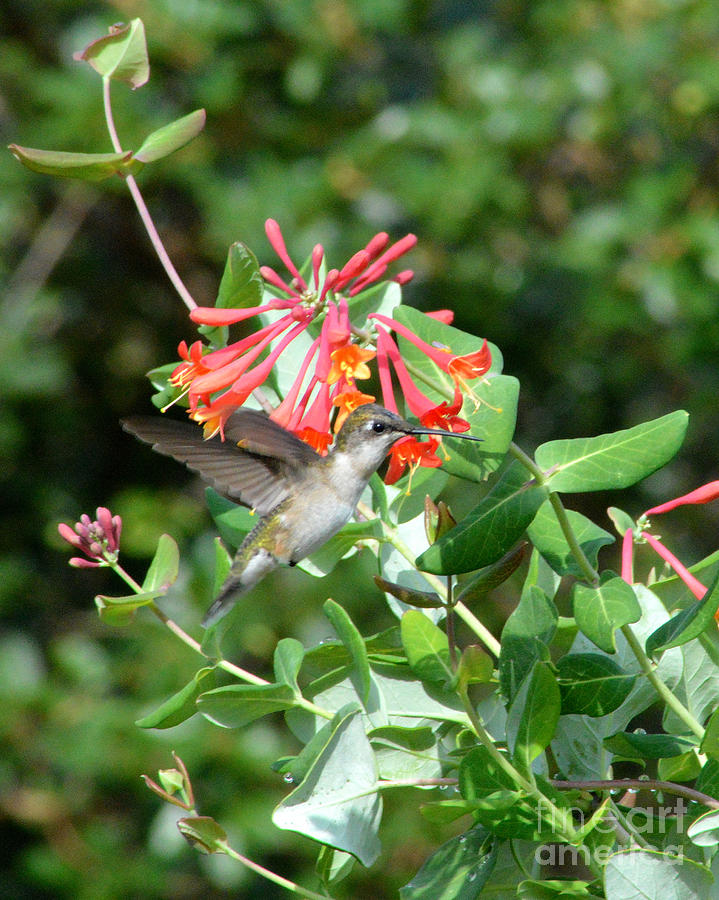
pixel 333 865
pixel 120 55
pixel 120 611
pixel 614 460
pixel 559 889
pixel 599 611
pixel 203 833
pixel 622 521
pixel 289 654
pixel 685 625
pixel 180 706
pixel 684 767
pixel 591 684
pixel 164 566
pixel 494 421
pixel 339 546
pixel 525 637
pixel 633 745
pixel 698 688
pixel 223 564
pixel 475 666
pixel 704 831
pixel 424 482
pixel 353 641
pixel 458 870
pixel 337 802
pixel 236 705
pixel 241 284
pixel 426 647
pixel 708 780
pixel 578 746
pixel 234 522
pixel 87 166
pixel 171 137
pixel 489 531
pixel 651 875
pixel 533 716
pixel 404 753
pixel 495 799
pixel 476 587
pixel 710 743
pixel 547 536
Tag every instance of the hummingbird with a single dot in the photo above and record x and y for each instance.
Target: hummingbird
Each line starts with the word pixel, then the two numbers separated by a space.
pixel 302 499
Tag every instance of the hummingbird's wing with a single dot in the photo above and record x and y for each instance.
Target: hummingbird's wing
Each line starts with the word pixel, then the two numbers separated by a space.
pixel 253 475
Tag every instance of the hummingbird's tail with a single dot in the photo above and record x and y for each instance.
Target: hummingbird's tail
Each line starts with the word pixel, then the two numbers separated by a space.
pixel 249 567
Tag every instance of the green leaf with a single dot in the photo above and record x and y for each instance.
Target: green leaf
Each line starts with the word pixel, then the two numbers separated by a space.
pixel 599 611
pixel 241 284
pixel 233 522
pixel 171 137
pixel 710 742
pixel 547 536
pixel 490 529
pixel 684 767
pixel 180 706
pixel 120 611
pixel 704 830
pixel 458 870
pixel 203 833
pixel 340 545
pixel 477 586
pixel 353 641
pixel 87 166
pixel 289 654
pixel 475 667
pixel 337 802
pixel 495 800
pixel 120 55
pixel 685 625
pixel 591 684
pixel 237 705
pixel 533 716
pixel 614 460
pixel 526 634
pixel 223 564
pixel 651 875
pixel 622 521
pixel 164 566
pixel 548 889
pixel 404 753
pixel 426 647
pixel 633 745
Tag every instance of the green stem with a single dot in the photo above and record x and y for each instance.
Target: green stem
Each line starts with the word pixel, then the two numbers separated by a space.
pixel 223 664
pixel 485 636
pixel 561 818
pixel 666 695
pixel 290 886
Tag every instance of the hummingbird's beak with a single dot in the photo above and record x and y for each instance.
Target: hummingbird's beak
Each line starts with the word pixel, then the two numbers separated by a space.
pixel 442 433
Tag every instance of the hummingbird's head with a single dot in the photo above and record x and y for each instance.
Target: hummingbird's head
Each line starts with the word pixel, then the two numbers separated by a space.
pixel 370 431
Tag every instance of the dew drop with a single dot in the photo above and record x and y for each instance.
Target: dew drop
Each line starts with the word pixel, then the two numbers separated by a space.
pixel 639 731
pixel 471 876
pixel 289 778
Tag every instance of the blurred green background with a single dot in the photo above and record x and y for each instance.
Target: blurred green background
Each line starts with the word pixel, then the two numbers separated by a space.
pixel 557 160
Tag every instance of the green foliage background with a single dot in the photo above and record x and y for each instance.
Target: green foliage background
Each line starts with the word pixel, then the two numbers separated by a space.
pixel 558 161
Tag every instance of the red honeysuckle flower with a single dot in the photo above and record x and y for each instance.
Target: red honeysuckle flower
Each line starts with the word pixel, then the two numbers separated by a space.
pixel 694 585
pixel 411 452
pixel 445 415
pixel 703 494
pixel 350 362
pixel 470 365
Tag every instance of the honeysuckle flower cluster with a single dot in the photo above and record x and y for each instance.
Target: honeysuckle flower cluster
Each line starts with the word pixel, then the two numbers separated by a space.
pixel 703 494
pixel 220 381
pixel 99 540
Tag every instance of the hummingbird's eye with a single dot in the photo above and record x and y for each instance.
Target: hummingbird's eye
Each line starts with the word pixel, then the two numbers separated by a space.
pixel 378 427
